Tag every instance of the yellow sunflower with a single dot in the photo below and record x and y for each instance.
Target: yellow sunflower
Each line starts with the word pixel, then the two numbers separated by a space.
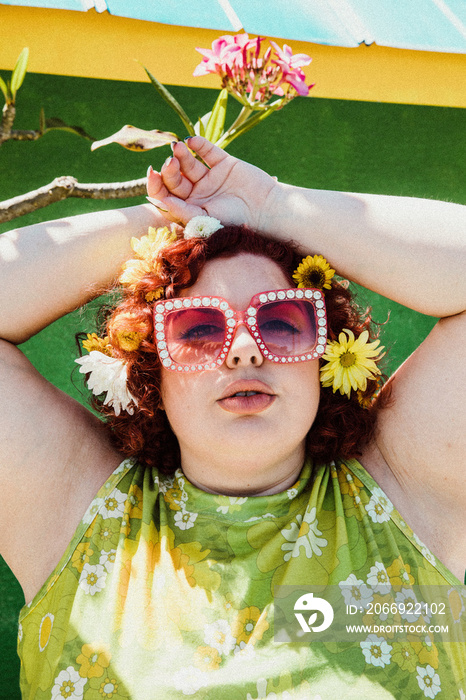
pixel 93 342
pixel 350 362
pixel 314 271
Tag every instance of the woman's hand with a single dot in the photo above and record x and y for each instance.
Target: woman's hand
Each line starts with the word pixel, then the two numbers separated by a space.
pixel 224 187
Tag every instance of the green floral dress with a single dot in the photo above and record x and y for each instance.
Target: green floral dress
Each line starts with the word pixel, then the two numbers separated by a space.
pixel 167 591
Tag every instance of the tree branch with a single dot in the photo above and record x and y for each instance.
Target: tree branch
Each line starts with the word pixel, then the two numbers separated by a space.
pixel 64 187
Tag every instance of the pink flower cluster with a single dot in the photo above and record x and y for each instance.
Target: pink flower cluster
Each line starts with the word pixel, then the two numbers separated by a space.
pixel 248 75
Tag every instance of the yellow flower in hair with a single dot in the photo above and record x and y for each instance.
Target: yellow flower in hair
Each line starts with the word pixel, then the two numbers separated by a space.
pixel 156 294
pixel 147 249
pixel 127 332
pixel 93 342
pixel 350 362
pixel 314 271
pixel 129 340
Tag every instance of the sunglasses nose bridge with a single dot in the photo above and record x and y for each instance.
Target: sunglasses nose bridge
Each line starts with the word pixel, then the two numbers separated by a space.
pixel 243 349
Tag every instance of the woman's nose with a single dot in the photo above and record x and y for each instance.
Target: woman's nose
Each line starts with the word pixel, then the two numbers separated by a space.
pixel 243 350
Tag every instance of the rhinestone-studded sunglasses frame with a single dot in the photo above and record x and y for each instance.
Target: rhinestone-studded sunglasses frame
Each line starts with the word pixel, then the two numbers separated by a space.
pixel 233 319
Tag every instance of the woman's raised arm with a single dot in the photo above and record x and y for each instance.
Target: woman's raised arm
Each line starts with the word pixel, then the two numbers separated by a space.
pixel 407 249
pixel 51 268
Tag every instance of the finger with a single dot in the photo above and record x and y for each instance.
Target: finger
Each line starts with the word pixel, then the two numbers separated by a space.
pixel 173 179
pixel 179 211
pixel 209 153
pixel 155 186
pixel 192 168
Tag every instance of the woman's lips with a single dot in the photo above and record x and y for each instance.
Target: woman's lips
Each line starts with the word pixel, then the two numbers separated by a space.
pixel 246 397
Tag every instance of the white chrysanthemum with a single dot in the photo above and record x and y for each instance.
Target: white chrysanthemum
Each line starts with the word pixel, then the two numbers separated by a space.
pixel 201 227
pixel 108 374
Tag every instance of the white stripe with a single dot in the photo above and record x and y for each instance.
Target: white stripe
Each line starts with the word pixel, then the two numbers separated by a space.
pixel 231 14
pixel 450 15
pixel 351 21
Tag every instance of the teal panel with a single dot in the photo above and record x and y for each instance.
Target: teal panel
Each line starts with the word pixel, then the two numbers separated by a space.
pixel 196 13
pixel 414 24
pixel 333 144
pixel 295 19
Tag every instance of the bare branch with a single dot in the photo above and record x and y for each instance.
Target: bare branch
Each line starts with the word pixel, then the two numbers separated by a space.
pixel 64 187
pixel 8 117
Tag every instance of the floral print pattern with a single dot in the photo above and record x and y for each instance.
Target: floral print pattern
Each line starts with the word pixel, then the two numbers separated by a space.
pixel 167 591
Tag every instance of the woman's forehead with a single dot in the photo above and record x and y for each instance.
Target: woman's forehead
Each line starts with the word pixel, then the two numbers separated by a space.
pixel 238 278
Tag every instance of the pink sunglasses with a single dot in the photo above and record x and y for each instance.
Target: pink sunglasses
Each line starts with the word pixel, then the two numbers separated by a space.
pixel 195 333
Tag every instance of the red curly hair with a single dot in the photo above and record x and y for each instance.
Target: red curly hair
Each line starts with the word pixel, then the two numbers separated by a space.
pixel 341 426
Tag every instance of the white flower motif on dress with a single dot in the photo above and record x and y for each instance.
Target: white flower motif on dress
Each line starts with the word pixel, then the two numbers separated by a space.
pixel 166 483
pixel 218 635
pixel 201 227
pixel 107 559
pixel 110 375
pixel 261 688
pixel 355 592
pixel 428 680
pixel 426 553
pixel 376 650
pixel 114 504
pixel 292 493
pixel 407 604
pixel 231 501
pixel 92 511
pixel 379 507
pixel 190 679
pixel 309 538
pixel 68 684
pixel 185 520
pixel 462 695
pixel 378 579
pixel 92 579
pixel 20 632
pixel 126 464
pixel 244 651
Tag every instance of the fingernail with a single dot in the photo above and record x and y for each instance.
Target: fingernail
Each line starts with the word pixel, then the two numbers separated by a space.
pixel 149 170
pixel 168 161
pixel 173 144
pixel 156 203
pixel 187 138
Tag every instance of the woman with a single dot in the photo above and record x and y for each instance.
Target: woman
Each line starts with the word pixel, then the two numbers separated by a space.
pixel 139 606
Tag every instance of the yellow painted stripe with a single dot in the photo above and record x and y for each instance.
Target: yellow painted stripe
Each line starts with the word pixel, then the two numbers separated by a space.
pixel 95 45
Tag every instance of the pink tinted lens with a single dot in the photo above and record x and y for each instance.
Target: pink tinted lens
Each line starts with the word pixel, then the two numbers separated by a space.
pixel 288 327
pixel 195 336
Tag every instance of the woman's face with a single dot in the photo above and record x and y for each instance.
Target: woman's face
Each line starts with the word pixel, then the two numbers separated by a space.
pixel 242 444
